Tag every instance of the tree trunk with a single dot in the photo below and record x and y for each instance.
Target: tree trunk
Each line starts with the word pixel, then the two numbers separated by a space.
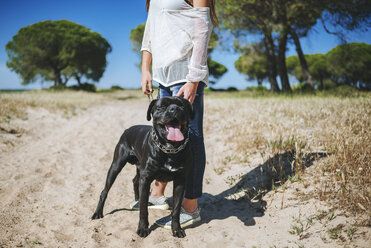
pixel 57 78
pixel 303 61
pixel 64 83
pixel 272 67
pixel 282 68
pixel 78 78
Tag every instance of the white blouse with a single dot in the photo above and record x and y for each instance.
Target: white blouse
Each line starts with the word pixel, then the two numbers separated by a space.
pixel 177 36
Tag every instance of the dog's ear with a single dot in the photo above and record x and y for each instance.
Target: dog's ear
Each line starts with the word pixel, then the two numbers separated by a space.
pixel 188 106
pixel 149 111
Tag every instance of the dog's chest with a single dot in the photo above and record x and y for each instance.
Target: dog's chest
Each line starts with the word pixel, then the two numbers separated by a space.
pixel 169 170
pixel 172 168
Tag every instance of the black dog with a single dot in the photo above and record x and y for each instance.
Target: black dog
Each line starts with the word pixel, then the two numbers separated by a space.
pixel 161 152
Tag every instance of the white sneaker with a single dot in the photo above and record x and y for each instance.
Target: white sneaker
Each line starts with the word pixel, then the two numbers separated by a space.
pixel 185 219
pixel 158 203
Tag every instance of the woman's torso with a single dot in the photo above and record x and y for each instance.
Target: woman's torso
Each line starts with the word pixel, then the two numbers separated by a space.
pixel 171 40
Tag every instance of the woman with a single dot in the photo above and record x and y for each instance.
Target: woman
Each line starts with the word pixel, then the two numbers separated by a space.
pixel 175 40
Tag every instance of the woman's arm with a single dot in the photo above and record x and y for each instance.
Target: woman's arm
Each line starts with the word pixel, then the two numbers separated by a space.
pixel 189 89
pixel 146 74
pixel 199 3
pixel 146 60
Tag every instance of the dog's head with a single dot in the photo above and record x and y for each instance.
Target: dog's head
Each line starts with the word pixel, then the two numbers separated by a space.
pixel 171 116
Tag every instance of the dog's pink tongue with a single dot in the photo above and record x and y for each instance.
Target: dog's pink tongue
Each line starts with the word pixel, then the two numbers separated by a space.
pixel 174 133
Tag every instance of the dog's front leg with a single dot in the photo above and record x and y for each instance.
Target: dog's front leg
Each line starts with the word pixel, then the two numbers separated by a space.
pixel 119 161
pixel 178 192
pixel 144 186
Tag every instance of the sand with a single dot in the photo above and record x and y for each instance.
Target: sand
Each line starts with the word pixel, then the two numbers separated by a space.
pixel 51 179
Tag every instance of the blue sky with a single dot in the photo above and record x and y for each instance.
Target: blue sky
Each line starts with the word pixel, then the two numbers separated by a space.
pixel 114 19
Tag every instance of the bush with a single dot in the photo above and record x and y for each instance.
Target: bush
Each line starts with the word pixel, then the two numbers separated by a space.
pixel 302 89
pixel 85 87
pixel 259 88
pixel 116 87
pixel 57 87
pixel 328 84
pixel 232 89
pixel 344 91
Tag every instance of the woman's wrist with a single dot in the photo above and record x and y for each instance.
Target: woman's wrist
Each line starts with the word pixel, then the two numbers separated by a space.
pixel 146 72
pixel 146 62
pixel 195 85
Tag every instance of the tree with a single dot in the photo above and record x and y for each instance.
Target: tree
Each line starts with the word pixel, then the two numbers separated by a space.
pixel 317 66
pixel 280 8
pixel 56 51
pixel 346 15
pixel 293 67
pixel 301 16
pixel 253 62
pixel 278 21
pixel 216 70
pixel 350 64
pixel 345 64
pixel 242 17
pixel 136 37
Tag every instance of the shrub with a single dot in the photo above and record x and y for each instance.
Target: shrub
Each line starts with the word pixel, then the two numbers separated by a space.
pixel 259 88
pixel 302 88
pixel 116 87
pixel 344 91
pixel 85 87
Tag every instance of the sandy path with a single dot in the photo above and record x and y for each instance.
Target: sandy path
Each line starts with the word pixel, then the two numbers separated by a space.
pixel 50 184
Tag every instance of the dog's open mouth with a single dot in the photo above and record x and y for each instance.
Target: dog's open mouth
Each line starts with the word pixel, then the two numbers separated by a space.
pixel 174 132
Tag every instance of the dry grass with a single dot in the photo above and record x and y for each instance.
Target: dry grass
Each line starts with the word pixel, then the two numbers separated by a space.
pixel 347 136
pixel 298 130
pixel 15 104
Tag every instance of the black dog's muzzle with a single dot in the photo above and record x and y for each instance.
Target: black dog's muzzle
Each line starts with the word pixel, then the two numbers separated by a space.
pixel 166 149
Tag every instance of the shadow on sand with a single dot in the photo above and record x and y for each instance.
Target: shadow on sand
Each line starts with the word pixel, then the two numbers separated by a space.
pixel 244 199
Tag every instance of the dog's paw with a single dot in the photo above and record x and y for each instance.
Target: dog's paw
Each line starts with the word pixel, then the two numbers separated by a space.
pixel 179 233
pixel 97 215
pixel 143 232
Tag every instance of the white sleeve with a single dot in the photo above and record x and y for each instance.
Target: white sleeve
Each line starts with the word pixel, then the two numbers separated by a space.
pixel 146 43
pixel 197 25
pixel 202 27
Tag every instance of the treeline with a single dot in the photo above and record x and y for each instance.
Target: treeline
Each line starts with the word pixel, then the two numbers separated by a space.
pixel 348 64
pixel 279 22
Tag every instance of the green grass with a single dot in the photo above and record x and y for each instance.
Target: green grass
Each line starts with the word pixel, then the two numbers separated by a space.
pixel 334 233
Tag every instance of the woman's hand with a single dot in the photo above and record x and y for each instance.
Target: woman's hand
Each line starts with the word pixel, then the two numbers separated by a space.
pixel 189 91
pixel 147 83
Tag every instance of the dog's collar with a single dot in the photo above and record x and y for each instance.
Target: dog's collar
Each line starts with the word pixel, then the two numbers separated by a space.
pixel 164 148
